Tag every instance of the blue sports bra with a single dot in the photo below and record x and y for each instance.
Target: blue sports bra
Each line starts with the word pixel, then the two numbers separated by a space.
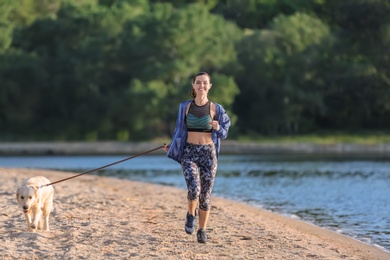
pixel 199 118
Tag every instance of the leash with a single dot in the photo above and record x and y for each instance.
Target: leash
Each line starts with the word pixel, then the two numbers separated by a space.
pixel 105 166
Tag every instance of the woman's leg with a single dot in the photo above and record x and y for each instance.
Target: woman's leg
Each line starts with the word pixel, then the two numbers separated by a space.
pixel 192 206
pixel 191 176
pixel 208 170
pixel 203 218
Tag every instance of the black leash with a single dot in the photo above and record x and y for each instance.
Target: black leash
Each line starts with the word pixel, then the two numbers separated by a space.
pixel 105 166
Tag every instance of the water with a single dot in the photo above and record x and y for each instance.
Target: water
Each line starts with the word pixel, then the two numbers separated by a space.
pixel 349 196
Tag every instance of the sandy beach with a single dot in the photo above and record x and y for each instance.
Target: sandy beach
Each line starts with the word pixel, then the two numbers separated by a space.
pixel 107 218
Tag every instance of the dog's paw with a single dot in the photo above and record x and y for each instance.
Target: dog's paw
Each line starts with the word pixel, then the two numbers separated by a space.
pixel 33 226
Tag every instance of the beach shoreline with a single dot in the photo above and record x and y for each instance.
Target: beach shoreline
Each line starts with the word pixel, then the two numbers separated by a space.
pixel 107 218
pixel 227 147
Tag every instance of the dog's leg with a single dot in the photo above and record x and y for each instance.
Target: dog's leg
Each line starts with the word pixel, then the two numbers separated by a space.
pixel 46 221
pixel 40 223
pixel 28 220
pixel 37 214
pixel 46 212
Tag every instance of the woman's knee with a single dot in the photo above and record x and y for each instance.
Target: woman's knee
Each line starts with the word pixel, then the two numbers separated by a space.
pixel 204 204
pixel 193 193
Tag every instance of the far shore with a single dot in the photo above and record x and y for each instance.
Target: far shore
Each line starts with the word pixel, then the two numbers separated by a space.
pixel 227 147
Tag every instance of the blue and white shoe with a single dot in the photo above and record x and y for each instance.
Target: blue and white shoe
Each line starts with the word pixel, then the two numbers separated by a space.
pixel 190 224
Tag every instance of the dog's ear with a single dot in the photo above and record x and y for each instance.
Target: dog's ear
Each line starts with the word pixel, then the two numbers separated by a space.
pixel 17 193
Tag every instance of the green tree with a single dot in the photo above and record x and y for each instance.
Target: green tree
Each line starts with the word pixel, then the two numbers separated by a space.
pixel 25 12
pixel 6 27
pixel 20 94
pixel 357 74
pixel 258 14
pixel 186 41
pixel 210 4
pixel 76 50
pixel 279 83
pixel 117 69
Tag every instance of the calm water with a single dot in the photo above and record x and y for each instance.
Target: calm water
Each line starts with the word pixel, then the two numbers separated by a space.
pixel 349 196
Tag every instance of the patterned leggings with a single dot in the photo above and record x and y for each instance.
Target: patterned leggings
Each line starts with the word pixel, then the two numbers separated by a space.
pixel 199 164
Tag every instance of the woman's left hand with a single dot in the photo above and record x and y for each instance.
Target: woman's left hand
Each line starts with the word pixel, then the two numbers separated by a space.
pixel 215 125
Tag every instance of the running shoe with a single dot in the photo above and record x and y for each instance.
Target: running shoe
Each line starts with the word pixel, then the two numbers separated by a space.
pixel 190 224
pixel 201 235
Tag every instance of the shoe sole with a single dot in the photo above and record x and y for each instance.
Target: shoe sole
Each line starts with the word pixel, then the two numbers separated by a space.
pixel 190 233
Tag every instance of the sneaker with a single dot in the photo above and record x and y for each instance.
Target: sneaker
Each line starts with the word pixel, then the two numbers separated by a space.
pixel 201 235
pixel 190 224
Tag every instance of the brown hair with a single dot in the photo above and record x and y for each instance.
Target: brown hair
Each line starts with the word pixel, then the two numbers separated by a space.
pixel 193 93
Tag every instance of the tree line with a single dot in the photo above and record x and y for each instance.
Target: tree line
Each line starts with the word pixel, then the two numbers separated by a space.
pixel 117 69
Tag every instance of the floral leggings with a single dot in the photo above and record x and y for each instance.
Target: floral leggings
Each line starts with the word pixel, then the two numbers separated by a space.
pixel 199 164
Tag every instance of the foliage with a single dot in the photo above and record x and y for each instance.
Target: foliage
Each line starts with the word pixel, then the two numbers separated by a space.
pixel 117 69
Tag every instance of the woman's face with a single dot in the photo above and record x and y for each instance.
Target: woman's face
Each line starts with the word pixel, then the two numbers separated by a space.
pixel 202 85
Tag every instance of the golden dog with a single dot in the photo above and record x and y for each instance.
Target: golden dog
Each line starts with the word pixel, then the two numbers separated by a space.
pixel 36 202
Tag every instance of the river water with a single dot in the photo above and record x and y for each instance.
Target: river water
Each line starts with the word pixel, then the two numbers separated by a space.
pixel 347 195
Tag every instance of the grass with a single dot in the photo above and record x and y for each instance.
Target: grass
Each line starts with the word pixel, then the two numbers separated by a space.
pixel 366 139
pixel 320 138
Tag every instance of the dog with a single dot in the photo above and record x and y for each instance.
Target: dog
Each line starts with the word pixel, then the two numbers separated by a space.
pixel 36 202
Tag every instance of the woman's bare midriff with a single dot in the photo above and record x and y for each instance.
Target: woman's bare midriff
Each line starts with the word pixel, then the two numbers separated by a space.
pixel 199 138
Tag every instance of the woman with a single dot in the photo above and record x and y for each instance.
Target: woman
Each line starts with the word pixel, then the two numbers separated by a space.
pixel 200 126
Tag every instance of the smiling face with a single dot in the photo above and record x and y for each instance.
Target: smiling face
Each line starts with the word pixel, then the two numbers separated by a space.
pixel 26 197
pixel 201 84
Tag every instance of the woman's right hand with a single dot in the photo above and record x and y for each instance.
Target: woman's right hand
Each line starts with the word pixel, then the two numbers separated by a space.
pixel 166 147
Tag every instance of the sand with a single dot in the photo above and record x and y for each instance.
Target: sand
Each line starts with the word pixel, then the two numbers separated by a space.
pixel 107 218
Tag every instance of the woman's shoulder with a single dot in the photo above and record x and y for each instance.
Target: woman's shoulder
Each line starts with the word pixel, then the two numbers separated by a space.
pixel 185 103
pixel 217 106
pixel 184 106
